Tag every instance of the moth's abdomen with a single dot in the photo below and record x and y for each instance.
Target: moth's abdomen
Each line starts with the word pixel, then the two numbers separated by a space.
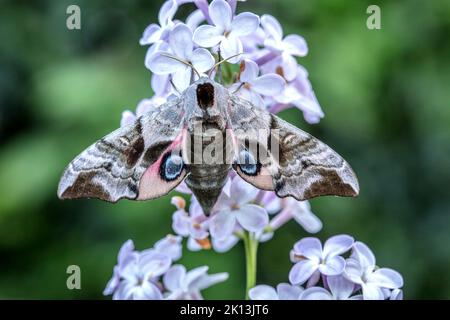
pixel 206 182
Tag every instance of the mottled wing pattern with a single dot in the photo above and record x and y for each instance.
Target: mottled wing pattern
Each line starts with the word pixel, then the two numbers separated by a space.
pixel 111 168
pixel 303 167
pixel 308 167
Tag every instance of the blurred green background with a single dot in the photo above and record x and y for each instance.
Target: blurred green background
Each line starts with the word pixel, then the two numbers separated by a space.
pixel 385 94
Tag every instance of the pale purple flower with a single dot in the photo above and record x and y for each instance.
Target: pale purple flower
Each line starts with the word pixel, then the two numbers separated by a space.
pixel 194 245
pixel 237 208
pixel 284 50
pixel 126 254
pixel 264 235
pixel 253 43
pixel 396 294
pixel 251 86
pixel 284 291
pixel 202 13
pixel 225 244
pixel 159 46
pixel 361 269
pixel 309 257
pixel 161 85
pixel 299 93
pixel 138 276
pixel 142 108
pixel 227 30
pixel 340 289
pixel 195 19
pixel 182 285
pixel 301 212
pixel 147 105
pixel 170 246
pixel 233 4
pixel 182 47
pixel 193 225
pixel 128 118
pixel 154 32
pixel 203 6
pixel 270 201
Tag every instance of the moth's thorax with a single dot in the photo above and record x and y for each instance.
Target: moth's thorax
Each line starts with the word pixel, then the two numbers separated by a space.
pixel 206 103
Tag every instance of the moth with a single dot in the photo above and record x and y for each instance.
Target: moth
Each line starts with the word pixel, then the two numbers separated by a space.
pixel 149 158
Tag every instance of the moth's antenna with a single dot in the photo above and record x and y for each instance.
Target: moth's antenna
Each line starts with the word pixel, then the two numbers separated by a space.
pixel 164 54
pixel 218 64
pixel 174 86
pixel 219 70
pixel 238 88
pixel 225 60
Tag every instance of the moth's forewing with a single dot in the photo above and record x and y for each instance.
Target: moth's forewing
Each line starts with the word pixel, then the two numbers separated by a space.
pixel 292 162
pixel 127 163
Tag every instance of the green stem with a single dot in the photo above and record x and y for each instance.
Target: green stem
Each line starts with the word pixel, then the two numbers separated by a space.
pixel 251 249
pixel 227 73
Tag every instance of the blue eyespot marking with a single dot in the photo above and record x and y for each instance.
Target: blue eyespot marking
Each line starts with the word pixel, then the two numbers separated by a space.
pixel 248 164
pixel 172 166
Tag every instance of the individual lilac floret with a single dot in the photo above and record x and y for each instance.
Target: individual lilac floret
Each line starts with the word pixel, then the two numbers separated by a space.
pixel 161 85
pixel 128 118
pixel 142 108
pixel 225 244
pixel 284 291
pixel 193 225
pixel 396 294
pixel 227 30
pixel 195 19
pixel 310 258
pixel 138 276
pixel 182 47
pixel 301 212
pixel 251 86
pixel 170 246
pixel 154 32
pixel 135 274
pixel 361 269
pixel 203 6
pixel 282 50
pixel 237 208
pixel 340 289
pixel 182 285
pixel 270 201
pixel 126 254
pixel 299 93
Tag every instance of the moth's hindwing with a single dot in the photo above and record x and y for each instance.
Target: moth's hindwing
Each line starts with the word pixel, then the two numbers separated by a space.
pixel 133 162
pixel 302 166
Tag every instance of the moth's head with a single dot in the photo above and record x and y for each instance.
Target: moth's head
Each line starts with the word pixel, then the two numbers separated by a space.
pixel 207 100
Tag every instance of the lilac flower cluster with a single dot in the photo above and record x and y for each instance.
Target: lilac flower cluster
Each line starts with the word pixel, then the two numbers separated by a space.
pixel 354 278
pixel 150 275
pixel 269 74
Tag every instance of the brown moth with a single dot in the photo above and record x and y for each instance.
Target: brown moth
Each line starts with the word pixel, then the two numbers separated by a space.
pixel 199 137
